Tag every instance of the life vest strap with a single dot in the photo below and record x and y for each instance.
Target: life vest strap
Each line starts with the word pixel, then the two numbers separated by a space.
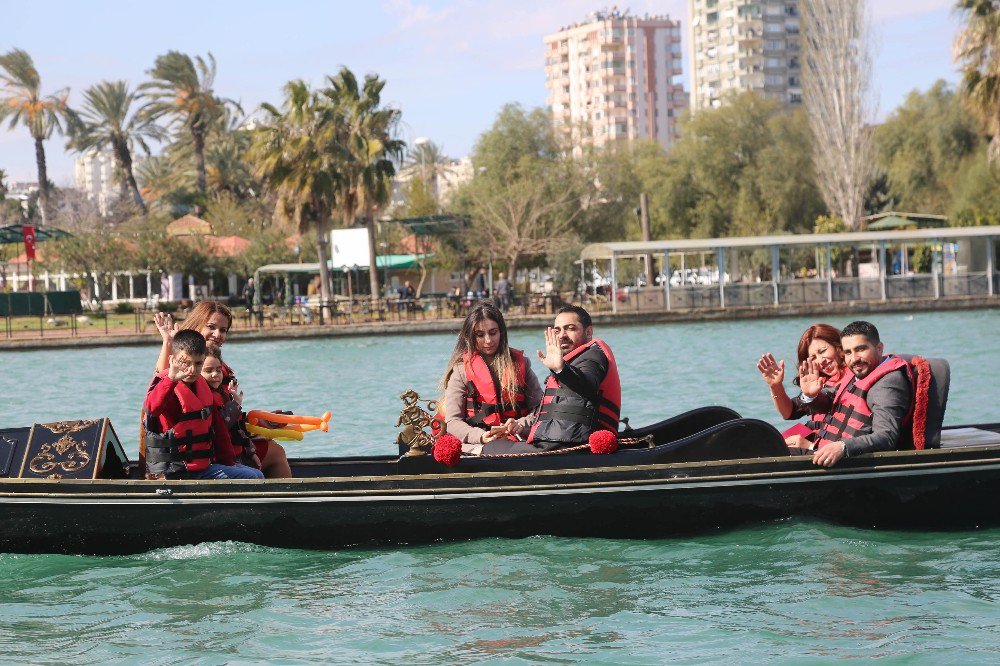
pixel 199 415
pixel 599 398
pixel 170 440
pixel 566 413
pixel 607 421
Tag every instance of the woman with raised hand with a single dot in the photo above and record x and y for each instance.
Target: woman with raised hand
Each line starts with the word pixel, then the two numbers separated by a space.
pixel 213 320
pixel 821 359
pixel 490 390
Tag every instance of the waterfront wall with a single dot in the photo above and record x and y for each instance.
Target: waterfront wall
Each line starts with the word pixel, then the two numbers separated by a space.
pixel 821 311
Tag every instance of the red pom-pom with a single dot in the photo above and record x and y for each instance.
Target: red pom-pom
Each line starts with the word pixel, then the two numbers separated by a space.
pixel 603 441
pixel 447 450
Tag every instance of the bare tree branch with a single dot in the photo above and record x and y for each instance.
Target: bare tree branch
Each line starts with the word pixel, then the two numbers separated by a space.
pixel 837 88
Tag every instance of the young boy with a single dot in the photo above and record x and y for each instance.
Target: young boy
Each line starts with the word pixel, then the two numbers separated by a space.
pixel 187 436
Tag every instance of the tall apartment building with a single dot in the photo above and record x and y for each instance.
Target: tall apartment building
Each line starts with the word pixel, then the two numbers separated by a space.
pixel 616 77
pixel 738 45
pixel 95 177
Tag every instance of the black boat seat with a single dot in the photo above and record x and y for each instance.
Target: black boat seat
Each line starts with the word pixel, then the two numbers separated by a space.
pixel 673 429
pixel 956 438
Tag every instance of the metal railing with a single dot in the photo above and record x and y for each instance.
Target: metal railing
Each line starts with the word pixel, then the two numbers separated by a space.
pixel 919 286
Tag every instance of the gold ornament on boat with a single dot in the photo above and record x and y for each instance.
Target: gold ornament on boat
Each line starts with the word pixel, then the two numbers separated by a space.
pixel 66 427
pixel 413 419
pixel 66 454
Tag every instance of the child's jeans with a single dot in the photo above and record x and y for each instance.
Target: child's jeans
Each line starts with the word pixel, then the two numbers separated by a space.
pixel 217 471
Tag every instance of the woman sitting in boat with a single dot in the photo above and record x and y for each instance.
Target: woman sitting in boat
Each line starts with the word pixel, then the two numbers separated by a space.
pixel 213 320
pixel 490 390
pixel 820 352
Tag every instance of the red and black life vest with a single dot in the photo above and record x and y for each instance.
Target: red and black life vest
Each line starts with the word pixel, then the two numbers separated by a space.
pixel 189 444
pixel 850 416
pixel 815 422
pixel 482 407
pixel 567 417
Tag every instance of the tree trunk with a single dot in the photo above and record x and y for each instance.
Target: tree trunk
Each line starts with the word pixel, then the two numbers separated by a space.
pixel 198 134
pixel 373 268
pixel 324 272
pixel 43 181
pixel 124 158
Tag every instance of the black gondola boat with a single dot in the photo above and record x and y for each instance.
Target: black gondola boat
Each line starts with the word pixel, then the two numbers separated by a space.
pixel 75 491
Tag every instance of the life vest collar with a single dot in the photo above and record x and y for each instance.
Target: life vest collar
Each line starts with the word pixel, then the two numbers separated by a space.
pixel 487 401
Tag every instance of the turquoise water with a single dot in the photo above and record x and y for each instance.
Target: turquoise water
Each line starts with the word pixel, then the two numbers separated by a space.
pixel 787 592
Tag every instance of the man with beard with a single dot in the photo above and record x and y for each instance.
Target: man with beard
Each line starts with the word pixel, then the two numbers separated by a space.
pixel 873 405
pixel 582 393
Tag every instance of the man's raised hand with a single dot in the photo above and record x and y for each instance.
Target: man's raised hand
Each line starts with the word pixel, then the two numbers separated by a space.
pixel 553 356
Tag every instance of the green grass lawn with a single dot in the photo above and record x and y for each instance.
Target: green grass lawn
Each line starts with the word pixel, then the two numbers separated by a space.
pixel 118 323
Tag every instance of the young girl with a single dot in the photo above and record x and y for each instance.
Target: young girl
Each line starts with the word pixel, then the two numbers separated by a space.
pixel 232 412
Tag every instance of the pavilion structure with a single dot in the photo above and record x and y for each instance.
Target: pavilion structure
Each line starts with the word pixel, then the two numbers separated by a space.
pixel 798 269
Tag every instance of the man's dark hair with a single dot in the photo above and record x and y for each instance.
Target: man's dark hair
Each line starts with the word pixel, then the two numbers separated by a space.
pixel 578 311
pixel 862 328
pixel 189 341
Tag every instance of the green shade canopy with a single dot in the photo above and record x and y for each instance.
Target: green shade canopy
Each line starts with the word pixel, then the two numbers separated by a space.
pixel 388 261
pixel 432 225
pixel 14 233
pixel 891 221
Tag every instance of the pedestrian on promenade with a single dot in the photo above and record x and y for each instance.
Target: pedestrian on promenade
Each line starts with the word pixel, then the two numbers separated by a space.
pixel 248 293
pixel 504 292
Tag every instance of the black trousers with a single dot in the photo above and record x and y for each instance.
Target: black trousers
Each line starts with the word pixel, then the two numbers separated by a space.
pixel 499 446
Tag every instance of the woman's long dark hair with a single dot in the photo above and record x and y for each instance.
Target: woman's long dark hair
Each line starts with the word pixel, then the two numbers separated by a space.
pixel 502 362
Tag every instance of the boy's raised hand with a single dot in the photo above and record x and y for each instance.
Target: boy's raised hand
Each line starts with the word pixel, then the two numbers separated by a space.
pixel 176 368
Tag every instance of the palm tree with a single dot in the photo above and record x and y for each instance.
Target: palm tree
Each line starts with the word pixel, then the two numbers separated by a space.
pixel 108 119
pixel 977 47
pixel 182 89
pixel 298 154
pixel 368 134
pixel 23 102
pixel 430 159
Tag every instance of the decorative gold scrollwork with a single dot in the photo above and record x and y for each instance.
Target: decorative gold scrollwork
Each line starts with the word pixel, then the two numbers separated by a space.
pixel 413 419
pixel 66 427
pixel 53 456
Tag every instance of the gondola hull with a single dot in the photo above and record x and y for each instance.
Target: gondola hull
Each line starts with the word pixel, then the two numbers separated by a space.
pixel 678 487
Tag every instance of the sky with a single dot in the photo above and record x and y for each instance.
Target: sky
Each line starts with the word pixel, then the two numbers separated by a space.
pixel 450 65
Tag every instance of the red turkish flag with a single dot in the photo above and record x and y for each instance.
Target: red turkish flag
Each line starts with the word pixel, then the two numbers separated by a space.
pixel 29 242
